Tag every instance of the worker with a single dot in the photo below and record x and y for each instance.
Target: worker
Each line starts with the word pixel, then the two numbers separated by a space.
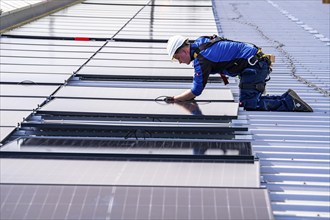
pixel 213 55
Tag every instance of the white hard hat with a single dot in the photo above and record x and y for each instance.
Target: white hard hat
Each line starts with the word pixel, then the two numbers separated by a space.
pixel 174 43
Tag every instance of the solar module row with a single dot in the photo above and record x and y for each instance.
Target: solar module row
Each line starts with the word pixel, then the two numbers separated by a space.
pixel 151 94
pixel 31 70
pixel 140 108
pixel 122 202
pixel 63 61
pixel 129 173
pixel 20 60
pixel 60 56
pixel 135 61
pixel 65 116
pixel 129 149
pixel 173 3
pixel 151 21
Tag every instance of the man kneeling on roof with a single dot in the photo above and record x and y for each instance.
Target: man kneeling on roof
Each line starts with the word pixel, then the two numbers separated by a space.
pixel 214 55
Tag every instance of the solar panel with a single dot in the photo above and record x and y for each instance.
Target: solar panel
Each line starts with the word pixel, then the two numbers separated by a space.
pixel 130 149
pixel 111 129
pixel 184 12
pixel 154 30
pixel 27 63
pixel 42 61
pixel 5 131
pixel 121 55
pixel 136 61
pixel 20 43
pixel 162 28
pixel 27 90
pixel 120 202
pixel 134 48
pixel 50 53
pixel 131 35
pixel 33 78
pixel 84 29
pixel 38 69
pixel 138 93
pixel 129 173
pixel 140 108
pixel 16 103
pixel 47 45
pixel 141 2
pixel 12 118
pixel 30 61
pixel 189 3
pixel 133 73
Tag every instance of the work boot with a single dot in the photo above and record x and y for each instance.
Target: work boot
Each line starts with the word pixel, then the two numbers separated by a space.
pixel 299 104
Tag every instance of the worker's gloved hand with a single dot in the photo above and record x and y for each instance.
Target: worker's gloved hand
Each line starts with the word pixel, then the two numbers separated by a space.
pixel 169 99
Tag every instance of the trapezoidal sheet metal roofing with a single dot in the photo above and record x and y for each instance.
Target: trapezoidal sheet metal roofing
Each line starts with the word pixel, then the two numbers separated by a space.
pixel 293 147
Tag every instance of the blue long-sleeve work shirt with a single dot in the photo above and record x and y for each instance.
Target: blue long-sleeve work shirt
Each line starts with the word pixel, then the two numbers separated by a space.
pixel 229 57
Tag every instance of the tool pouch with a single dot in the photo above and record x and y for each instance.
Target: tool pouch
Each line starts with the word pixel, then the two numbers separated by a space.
pixel 270 57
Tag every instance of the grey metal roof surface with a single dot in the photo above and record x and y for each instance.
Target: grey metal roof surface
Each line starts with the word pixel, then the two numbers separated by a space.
pixel 293 147
pixel 8 6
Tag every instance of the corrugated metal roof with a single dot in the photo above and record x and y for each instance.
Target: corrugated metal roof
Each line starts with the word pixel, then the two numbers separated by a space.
pixel 293 147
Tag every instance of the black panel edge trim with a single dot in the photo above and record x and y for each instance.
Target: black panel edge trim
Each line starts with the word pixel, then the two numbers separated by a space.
pixel 133 127
pixel 130 186
pixel 128 157
pixel 136 115
pixel 151 5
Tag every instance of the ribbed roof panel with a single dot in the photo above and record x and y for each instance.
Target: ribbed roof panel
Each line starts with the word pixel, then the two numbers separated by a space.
pixel 293 147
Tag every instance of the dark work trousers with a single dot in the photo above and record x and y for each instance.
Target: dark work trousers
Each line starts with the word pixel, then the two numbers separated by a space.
pixel 253 100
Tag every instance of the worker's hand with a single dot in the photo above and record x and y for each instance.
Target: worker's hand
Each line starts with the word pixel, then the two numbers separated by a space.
pixel 169 99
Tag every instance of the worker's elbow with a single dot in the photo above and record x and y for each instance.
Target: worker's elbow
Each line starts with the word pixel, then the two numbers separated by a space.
pixel 196 92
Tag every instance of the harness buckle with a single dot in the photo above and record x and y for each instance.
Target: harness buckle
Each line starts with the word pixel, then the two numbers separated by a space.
pixel 254 62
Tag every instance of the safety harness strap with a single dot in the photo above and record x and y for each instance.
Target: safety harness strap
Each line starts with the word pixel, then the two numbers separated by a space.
pixel 214 39
pixel 252 60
